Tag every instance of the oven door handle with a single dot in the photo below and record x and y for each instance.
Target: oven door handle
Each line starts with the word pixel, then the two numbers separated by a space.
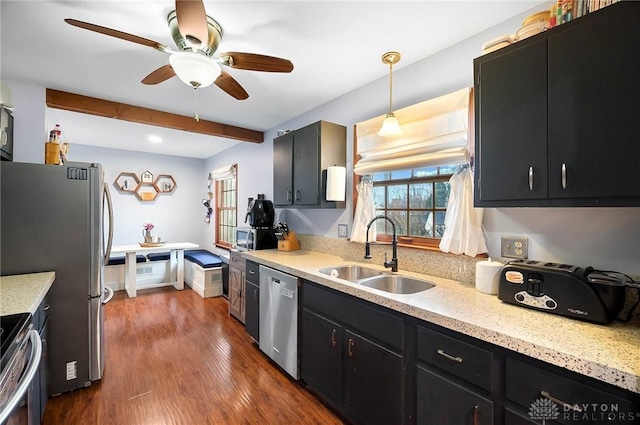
pixel 32 368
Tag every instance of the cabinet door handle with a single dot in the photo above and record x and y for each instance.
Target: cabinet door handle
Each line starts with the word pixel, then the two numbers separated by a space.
pixel 530 178
pixel 297 195
pixel 564 176
pixel 475 415
pixel 255 295
pixel 564 404
pixel 46 307
pixel 333 338
pixel 350 351
pixel 449 356
pixel 288 195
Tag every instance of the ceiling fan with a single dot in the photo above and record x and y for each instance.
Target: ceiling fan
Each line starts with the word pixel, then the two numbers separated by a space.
pixel 197 37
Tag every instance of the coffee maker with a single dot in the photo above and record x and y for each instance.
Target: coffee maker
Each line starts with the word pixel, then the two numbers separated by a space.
pixel 260 216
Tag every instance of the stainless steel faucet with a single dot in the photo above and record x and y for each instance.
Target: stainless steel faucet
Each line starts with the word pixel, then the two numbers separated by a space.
pixel 394 244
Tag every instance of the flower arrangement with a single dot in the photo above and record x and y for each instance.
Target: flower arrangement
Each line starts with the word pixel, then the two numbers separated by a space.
pixel 148 225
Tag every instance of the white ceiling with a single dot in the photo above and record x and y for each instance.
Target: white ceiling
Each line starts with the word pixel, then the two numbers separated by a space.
pixel 335 47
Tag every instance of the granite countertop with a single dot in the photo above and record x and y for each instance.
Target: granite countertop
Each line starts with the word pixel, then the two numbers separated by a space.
pixel 23 293
pixel 608 353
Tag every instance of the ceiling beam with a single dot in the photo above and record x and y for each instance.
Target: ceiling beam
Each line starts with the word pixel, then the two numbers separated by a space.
pixel 122 111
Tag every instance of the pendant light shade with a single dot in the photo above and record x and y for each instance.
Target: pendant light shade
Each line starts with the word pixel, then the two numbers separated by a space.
pixel 390 125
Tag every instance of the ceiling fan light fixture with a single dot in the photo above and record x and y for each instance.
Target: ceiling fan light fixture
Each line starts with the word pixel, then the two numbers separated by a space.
pixel 193 69
pixel 390 126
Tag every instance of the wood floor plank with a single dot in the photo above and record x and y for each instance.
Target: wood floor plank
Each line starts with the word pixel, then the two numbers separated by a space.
pixel 174 358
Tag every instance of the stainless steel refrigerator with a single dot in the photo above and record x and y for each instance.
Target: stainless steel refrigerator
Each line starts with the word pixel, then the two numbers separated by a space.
pixel 52 218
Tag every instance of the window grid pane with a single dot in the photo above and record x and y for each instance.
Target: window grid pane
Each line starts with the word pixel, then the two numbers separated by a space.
pixel 416 200
pixel 225 214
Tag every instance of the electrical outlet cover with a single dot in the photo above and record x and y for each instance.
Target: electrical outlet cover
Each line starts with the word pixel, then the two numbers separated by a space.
pixel 514 247
pixel 342 230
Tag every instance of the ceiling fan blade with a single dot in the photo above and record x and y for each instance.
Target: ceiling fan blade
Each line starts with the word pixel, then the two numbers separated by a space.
pixel 227 83
pixel 118 34
pixel 255 62
pixel 192 20
pixel 159 75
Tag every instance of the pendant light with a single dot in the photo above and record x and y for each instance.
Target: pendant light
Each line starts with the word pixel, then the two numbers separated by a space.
pixel 390 125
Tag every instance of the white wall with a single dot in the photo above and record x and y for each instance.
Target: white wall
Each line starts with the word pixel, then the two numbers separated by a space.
pixel 600 237
pixel 178 216
pixel 29 132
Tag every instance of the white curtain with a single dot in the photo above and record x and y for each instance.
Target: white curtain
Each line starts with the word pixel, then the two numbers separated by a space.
pixel 365 211
pixel 463 223
pixel 223 173
pixel 435 133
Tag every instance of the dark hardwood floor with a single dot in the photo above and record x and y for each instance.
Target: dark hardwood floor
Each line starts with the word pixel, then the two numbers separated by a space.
pixel 173 358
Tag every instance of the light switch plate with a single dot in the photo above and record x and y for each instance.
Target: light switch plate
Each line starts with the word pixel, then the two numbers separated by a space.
pixel 342 230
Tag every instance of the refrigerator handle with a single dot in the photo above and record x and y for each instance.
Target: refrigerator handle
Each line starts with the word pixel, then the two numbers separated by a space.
pixel 107 197
pixel 109 292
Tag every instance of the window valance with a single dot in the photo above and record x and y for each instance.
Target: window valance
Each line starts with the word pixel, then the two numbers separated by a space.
pixel 223 173
pixel 435 132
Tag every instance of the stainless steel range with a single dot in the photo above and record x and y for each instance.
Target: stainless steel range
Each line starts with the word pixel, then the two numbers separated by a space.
pixel 21 352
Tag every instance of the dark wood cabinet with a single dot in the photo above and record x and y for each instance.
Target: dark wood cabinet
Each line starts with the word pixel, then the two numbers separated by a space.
pixel 299 158
pixel 555 115
pixel 529 385
pixel 252 300
pixel 355 369
pixel 443 402
pixel 321 356
pixel 237 286
pixel 373 381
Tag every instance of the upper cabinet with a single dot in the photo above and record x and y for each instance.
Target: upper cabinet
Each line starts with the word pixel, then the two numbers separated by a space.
pixel 300 161
pixel 556 118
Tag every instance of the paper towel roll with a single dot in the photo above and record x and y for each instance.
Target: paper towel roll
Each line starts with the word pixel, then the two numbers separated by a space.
pixel 488 276
pixel 336 183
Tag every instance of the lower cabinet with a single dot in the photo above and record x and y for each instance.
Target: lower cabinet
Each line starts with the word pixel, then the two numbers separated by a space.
pixel 373 381
pixel 443 402
pixel 377 366
pixel 350 369
pixel 252 300
pixel 321 351
pixel 237 286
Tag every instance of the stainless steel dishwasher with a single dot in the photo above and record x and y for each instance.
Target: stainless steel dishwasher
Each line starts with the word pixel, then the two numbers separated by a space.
pixel 279 318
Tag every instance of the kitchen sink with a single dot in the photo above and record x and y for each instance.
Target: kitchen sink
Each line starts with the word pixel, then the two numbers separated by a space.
pixel 397 284
pixel 351 273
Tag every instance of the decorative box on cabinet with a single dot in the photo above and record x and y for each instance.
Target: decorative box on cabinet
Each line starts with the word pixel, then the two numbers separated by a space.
pixel 300 160
pixel 554 126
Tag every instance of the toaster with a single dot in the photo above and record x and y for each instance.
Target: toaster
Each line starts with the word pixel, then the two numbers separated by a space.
pixel 563 289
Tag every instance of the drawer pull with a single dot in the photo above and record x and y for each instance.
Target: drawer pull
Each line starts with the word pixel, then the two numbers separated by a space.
pixel 564 404
pixel 333 338
pixel 449 356
pixel 46 307
pixel 564 176
pixel 350 346
pixel 475 415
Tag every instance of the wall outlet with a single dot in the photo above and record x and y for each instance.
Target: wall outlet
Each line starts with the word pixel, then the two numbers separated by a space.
pixel 342 230
pixel 514 247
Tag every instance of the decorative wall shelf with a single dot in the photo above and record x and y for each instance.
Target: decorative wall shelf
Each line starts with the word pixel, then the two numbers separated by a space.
pixel 145 188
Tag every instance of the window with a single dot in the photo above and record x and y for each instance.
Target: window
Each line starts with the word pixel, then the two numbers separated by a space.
pixel 226 217
pixel 416 200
